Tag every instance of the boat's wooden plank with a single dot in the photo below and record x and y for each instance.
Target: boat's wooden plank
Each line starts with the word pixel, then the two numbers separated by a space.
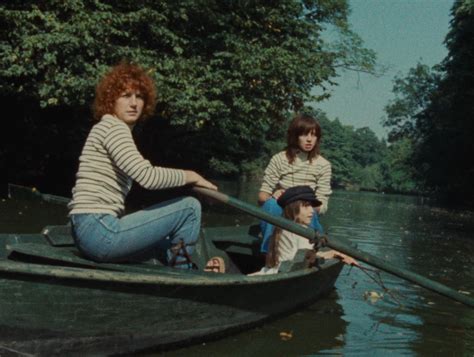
pixel 165 276
pixel 51 255
pixel 235 240
pixel 12 238
pixel 37 250
pixel 32 252
pixel 58 236
pixel 243 235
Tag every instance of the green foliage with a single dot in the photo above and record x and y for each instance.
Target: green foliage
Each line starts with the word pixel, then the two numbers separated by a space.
pixel 447 149
pixel 370 178
pixel 227 72
pixel 366 148
pixel 336 147
pixel 413 94
pixel 398 171
pixel 434 111
pixel 356 155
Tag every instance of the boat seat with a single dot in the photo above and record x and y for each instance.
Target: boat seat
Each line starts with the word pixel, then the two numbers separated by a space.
pixel 68 256
pixel 58 236
pixel 62 249
pixel 236 240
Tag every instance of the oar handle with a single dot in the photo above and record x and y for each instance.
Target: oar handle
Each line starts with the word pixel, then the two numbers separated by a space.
pixel 337 245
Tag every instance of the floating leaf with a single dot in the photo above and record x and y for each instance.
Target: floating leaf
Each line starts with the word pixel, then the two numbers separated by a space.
pixel 286 335
pixel 372 296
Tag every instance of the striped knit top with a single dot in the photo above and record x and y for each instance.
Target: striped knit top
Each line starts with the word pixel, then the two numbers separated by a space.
pixel 109 162
pixel 280 174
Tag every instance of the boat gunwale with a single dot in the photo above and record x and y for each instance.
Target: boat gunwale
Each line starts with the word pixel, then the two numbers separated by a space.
pixel 166 276
pixel 192 278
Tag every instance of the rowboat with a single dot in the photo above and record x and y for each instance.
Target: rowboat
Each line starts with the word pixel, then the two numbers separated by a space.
pixel 53 301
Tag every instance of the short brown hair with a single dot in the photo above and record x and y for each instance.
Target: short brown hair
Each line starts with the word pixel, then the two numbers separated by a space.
pixel 300 125
pixel 124 76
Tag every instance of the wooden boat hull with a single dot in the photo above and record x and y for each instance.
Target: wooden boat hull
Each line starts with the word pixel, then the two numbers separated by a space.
pixel 48 308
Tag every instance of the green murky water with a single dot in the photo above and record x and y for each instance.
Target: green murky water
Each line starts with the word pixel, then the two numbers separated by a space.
pixel 410 321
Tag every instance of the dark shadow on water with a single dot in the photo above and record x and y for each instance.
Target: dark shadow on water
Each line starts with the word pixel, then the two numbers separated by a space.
pixel 319 327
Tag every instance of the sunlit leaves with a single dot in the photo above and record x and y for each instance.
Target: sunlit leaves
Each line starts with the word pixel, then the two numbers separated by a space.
pixel 226 69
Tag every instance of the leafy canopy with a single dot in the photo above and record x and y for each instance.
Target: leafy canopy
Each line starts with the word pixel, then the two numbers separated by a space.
pixel 227 72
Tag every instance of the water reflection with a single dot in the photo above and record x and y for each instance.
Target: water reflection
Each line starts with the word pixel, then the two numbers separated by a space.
pixel 320 328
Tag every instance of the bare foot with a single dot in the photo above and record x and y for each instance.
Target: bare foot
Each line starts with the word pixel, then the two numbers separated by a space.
pixel 215 265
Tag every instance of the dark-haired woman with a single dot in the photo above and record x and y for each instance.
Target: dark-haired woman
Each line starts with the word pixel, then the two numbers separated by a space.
pixel 299 164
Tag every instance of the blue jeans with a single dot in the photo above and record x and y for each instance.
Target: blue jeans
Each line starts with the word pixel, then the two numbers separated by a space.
pixel 271 206
pixel 140 235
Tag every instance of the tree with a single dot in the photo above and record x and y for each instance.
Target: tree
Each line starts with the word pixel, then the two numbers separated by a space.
pixel 413 93
pixel 227 72
pixel 336 145
pixel 397 168
pixel 434 111
pixel 447 150
pixel 355 154
pixel 367 149
pixel 408 127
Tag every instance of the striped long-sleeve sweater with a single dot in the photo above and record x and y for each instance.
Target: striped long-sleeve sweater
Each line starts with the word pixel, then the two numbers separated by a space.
pixel 280 174
pixel 109 163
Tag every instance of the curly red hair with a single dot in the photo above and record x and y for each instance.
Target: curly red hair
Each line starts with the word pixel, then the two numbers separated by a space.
pixel 122 77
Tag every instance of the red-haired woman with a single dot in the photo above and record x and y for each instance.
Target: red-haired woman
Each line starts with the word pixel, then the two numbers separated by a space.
pixel 299 164
pixel 110 162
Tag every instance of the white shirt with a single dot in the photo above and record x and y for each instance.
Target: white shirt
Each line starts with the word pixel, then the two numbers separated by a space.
pixel 289 244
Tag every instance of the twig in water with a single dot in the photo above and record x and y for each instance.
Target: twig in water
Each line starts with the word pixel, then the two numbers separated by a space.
pixel 378 280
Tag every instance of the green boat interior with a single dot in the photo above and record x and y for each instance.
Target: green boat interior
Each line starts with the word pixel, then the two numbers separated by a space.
pixel 238 246
pixel 54 246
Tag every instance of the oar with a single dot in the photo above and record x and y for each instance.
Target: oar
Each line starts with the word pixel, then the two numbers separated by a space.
pixel 17 191
pixel 337 245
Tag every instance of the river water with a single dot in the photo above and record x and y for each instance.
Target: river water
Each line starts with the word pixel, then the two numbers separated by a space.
pixel 359 318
